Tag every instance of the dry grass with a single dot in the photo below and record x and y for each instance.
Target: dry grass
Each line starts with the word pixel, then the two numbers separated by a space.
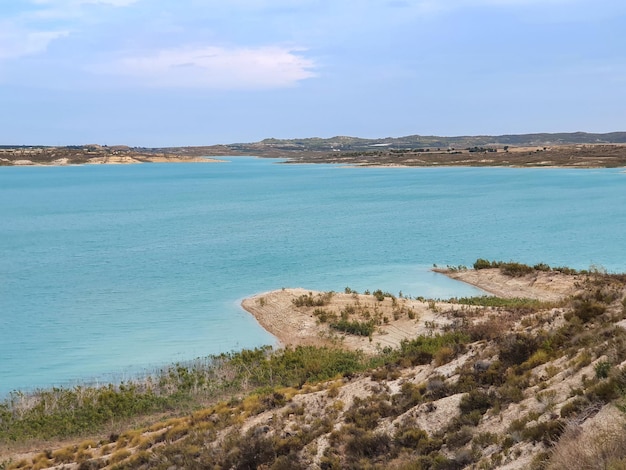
pixel 602 450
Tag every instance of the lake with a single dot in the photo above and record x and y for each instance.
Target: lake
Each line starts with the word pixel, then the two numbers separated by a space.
pixel 108 271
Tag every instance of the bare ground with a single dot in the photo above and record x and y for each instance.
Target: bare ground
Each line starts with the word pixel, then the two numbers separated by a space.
pixel 293 326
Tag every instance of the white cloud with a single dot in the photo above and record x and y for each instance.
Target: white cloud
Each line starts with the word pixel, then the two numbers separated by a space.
pixel 33 30
pixel 17 42
pixel 433 6
pixel 216 68
pixel 70 3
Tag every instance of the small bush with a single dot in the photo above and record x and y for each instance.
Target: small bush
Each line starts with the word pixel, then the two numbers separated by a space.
pixel 602 369
pixel 476 400
pixel 308 300
pixel 368 444
pixel 324 315
pixel 410 438
pixel 380 296
pixel 459 438
pixel 587 310
pixel 517 348
pixel 64 455
pixel 605 391
pixel 515 269
pixel 407 398
pixel 573 407
pixel 547 432
pixel 481 263
pixel 443 356
pixel 358 328
pixel 541 267
pixel 515 302
pixel 119 456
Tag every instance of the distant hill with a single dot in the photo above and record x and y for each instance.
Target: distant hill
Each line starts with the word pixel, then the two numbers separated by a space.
pixel 580 149
pixel 429 141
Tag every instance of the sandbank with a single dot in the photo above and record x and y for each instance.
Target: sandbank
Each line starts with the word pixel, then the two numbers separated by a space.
pixel 399 318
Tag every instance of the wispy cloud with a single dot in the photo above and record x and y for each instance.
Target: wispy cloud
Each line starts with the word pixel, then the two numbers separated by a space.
pixel 32 28
pixel 438 6
pixel 215 67
pixel 18 42
pixel 68 3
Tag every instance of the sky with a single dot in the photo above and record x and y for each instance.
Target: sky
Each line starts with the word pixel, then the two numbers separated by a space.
pixel 201 72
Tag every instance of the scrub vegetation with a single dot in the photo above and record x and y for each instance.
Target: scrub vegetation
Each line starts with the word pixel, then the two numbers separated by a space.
pixel 516 382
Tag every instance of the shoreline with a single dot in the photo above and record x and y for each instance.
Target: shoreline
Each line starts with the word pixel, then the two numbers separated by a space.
pixel 397 318
pixel 401 154
pixel 64 162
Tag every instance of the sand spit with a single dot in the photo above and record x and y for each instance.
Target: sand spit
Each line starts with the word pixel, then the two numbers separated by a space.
pixel 294 326
pixel 540 285
pixel 398 318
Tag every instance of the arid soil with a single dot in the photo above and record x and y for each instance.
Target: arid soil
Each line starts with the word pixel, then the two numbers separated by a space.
pixel 293 326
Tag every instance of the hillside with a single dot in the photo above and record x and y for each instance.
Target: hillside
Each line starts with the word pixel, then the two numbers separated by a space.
pixel 429 141
pixel 375 380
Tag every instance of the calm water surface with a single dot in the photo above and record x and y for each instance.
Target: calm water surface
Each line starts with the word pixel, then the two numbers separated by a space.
pixel 110 270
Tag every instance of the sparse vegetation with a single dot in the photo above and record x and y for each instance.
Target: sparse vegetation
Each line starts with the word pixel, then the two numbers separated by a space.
pixel 534 370
pixel 358 328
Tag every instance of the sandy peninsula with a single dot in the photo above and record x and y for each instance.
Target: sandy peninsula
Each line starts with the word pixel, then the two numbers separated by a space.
pixel 396 319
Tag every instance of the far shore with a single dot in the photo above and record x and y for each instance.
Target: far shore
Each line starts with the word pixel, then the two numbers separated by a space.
pixel 401 318
pixel 117 160
pixel 402 153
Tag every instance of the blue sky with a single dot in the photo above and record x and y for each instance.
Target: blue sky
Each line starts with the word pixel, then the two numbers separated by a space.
pixel 201 72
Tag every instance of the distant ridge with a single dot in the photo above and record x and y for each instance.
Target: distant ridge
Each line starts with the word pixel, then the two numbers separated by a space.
pixel 413 141
pixel 575 149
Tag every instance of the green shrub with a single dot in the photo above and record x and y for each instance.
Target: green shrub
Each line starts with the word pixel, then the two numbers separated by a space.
pixel 408 397
pixel 547 432
pixel 308 300
pixel 517 348
pixel 515 269
pixel 459 438
pixel 587 310
pixel 366 413
pixel 605 391
pixel 421 350
pixel 324 315
pixel 541 267
pixel 380 296
pixel 602 369
pixel 367 444
pixel 481 263
pixel 410 437
pixel 476 400
pixel 573 407
pixel 509 269
pixel 515 302
pixel 357 328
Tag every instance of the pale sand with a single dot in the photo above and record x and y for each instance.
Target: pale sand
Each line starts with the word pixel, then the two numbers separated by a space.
pixel 540 285
pixel 294 326
pixel 118 160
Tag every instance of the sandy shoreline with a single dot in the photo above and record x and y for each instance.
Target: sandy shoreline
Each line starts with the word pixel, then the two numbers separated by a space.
pixel 115 160
pixel 294 326
pixel 396 319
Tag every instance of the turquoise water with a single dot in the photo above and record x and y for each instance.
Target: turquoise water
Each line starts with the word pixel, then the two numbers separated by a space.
pixel 110 270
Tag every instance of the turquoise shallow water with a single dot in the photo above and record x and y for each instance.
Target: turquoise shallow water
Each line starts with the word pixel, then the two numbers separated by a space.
pixel 109 270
